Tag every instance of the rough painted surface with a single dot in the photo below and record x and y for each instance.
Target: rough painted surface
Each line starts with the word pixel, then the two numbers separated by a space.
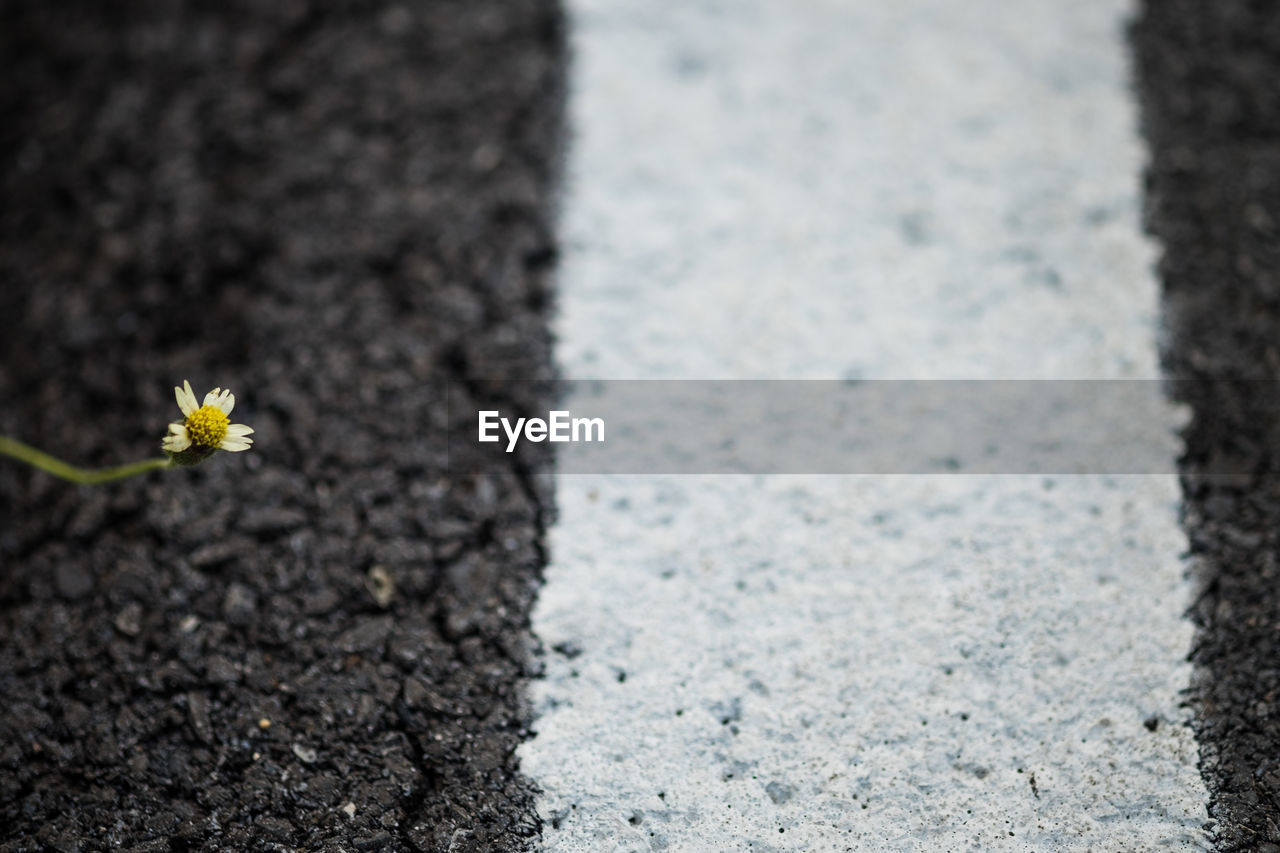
pixel 793 663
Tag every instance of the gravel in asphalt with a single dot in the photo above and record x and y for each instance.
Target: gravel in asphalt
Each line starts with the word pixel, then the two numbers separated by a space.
pixel 331 209
pixel 1207 75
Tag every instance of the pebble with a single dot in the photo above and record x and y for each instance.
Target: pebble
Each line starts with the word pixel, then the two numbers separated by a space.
pixel 72 580
pixel 129 620
pixel 368 636
pixel 239 605
pixel 198 710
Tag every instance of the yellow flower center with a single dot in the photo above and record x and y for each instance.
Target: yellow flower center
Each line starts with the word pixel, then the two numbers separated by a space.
pixel 207 426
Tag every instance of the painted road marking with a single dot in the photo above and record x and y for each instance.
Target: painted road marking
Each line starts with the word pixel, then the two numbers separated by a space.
pixel 856 189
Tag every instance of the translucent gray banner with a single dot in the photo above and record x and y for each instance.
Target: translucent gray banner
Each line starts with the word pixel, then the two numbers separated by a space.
pixel 837 427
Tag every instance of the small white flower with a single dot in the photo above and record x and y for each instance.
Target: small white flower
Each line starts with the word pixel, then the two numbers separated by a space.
pixel 206 427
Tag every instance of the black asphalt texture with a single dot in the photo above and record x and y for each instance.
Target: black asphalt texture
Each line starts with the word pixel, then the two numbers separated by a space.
pixel 331 208
pixel 334 209
pixel 1209 78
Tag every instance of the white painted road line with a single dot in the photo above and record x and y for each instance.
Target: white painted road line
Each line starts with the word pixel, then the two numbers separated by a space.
pixel 825 189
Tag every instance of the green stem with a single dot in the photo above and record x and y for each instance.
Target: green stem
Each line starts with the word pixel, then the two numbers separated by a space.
pixel 84 476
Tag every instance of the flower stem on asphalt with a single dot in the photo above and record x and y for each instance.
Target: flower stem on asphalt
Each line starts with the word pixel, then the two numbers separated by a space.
pixel 84 476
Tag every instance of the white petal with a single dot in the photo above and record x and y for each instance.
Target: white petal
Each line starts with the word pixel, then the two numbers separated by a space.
pixel 211 399
pixel 186 399
pixel 178 441
pixel 235 443
pixel 239 429
pixel 226 402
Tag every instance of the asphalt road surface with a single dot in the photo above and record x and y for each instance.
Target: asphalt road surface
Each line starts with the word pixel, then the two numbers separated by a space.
pixel 340 641
pixel 330 209
pixel 1211 111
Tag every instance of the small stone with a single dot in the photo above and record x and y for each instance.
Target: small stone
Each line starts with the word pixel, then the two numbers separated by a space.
pixel 198 710
pixel 349 810
pixel 377 841
pixel 321 601
pixel 277 829
pixel 216 552
pixel 415 692
pixel 72 580
pixel 369 636
pixel 273 520
pixel 221 671
pixel 264 724
pixel 239 605
pixel 129 620
pixel 380 586
pixel 305 754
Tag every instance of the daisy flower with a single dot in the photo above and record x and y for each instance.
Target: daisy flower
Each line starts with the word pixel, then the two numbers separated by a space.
pixel 206 427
